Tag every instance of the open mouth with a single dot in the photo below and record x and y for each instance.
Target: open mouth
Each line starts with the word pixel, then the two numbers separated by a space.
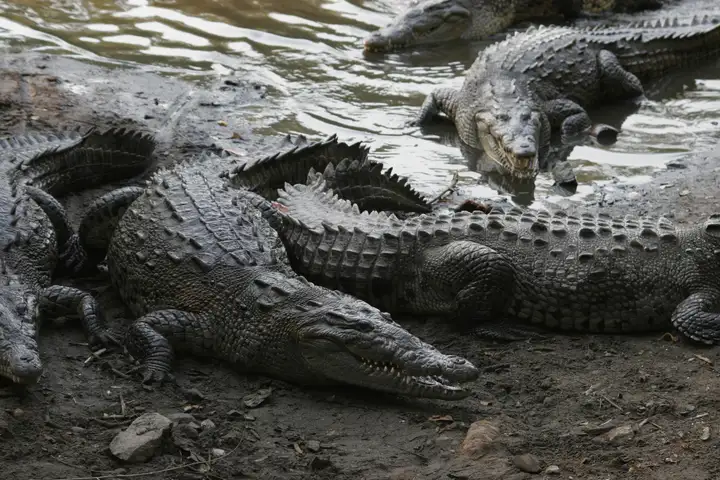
pixel 430 386
pixel 520 166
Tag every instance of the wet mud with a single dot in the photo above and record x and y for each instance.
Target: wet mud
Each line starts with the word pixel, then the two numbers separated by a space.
pixel 563 406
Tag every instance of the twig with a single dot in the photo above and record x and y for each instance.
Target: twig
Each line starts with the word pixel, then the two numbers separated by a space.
pixel 122 405
pixel 604 397
pixel 154 472
pixel 95 355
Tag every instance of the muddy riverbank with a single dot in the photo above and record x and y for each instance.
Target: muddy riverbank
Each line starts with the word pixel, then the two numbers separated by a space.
pixel 569 406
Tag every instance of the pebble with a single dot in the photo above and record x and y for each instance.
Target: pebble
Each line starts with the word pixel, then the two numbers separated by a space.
pixel 527 462
pixel 142 439
pixel 217 452
pixel 180 418
pixel 617 435
pixel 552 470
pixel 207 425
pixel 684 193
pixel 312 446
pixel 77 430
pixel 481 438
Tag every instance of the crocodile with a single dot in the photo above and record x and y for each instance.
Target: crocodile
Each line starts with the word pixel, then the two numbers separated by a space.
pixel 439 21
pixel 585 273
pixel 196 267
pixel 537 84
pixel 34 168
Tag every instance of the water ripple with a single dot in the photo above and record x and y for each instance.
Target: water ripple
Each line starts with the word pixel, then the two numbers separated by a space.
pixel 309 53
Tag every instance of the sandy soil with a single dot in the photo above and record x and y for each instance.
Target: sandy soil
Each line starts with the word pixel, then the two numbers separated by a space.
pixel 586 406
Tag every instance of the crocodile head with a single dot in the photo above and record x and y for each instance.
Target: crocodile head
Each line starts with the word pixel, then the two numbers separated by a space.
pixel 341 339
pixel 436 21
pixel 510 128
pixel 19 356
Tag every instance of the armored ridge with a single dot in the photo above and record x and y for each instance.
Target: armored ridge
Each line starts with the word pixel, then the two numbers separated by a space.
pixel 346 168
pixel 185 244
pixel 519 91
pixel 588 273
pixel 29 244
pixel 438 21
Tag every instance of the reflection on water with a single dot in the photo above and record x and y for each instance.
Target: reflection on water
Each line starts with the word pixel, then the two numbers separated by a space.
pixel 309 53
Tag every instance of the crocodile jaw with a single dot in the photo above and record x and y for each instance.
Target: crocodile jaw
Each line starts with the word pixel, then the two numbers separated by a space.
pixel 19 357
pixel 367 349
pixel 428 22
pixel 512 141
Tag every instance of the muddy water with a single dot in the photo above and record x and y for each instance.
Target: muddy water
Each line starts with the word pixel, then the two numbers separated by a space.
pixel 309 53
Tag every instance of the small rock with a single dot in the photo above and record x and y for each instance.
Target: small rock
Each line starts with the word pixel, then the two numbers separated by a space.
pixel 207 425
pixel 183 436
pixel 77 430
pixel 18 413
pixel 217 452
pixel 481 439
pixel 617 435
pixel 318 463
pixel 256 399
pixel 684 193
pixel 677 163
pixel 552 470
pixel 180 418
pixel 193 394
pixel 527 462
pixel 141 439
pixel 705 436
pixel 312 446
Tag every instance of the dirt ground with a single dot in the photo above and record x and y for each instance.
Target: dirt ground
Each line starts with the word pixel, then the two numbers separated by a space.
pixel 569 406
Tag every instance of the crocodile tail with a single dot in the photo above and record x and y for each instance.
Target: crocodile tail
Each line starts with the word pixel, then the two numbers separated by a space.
pixel 98 225
pixel 22 147
pixel 98 158
pixel 364 183
pixel 266 175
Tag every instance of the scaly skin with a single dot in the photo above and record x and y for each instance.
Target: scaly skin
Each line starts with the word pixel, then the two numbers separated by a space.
pixel 590 273
pixel 33 168
pixel 345 166
pixel 198 268
pixel 438 21
pixel 539 82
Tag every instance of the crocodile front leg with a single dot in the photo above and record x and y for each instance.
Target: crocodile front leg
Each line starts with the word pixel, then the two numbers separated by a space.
pixel 152 338
pixel 440 100
pixel 570 118
pixel 58 300
pixel 480 279
pixel 618 82
pixel 698 317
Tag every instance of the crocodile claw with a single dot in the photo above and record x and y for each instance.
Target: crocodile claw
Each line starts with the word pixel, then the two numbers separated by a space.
pixel 72 256
pixel 104 338
pixel 154 375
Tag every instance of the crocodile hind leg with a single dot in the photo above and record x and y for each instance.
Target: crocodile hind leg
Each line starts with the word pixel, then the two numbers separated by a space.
pixel 58 301
pixel 440 100
pixel 480 279
pixel 618 82
pixel 153 337
pixel 98 224
pixel 72 256
pixel 698 317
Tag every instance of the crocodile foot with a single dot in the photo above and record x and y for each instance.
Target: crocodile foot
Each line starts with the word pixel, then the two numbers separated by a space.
pixel 61 301
pixel 72 256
